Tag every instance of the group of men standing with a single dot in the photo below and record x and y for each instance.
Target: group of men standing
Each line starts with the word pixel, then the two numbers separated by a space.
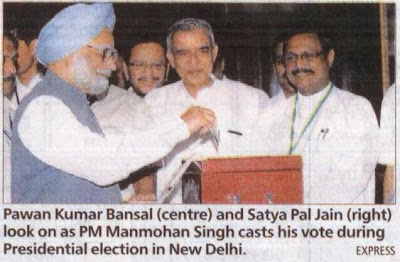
pixel 64 151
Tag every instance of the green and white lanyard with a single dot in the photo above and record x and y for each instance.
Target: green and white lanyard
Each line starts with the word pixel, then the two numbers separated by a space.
pixel 310 119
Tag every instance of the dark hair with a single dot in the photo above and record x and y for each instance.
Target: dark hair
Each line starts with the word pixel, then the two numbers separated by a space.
pixel 142 39
pixel 26 31
pixel 9 35
pixel 325 38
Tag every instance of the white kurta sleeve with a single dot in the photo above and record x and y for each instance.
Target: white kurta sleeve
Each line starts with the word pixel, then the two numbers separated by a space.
pixel 52 133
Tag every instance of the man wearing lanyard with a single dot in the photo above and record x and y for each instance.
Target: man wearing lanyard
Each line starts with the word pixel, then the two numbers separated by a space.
pixel 333 130
pixel 9 71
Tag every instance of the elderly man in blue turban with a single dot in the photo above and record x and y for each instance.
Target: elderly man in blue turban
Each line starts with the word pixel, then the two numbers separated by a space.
pixel 60 154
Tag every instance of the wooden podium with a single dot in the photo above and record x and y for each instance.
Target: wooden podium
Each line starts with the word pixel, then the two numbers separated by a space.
pixel 244 180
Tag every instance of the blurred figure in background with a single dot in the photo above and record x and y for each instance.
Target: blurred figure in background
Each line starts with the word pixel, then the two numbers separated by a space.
pixel 10 57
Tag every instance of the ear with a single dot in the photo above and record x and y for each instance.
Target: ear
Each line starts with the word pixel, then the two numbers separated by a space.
pixel 166 73
pixel 215 52
pixel 125 70
pixel 32 46
pixel 331 57
pixel 273 69
pixel 170 58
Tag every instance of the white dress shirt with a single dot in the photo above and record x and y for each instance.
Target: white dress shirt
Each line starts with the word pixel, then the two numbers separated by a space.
pixel 22 90
pixel 122 109
pixel 338 148
pixel 236 106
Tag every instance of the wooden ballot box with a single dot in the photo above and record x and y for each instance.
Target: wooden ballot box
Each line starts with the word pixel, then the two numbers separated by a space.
pixel 244 180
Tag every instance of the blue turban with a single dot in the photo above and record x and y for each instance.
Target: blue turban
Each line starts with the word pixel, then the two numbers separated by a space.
pixel 72 28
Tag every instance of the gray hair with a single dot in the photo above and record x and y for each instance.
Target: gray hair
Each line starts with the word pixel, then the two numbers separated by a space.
pixel 189 24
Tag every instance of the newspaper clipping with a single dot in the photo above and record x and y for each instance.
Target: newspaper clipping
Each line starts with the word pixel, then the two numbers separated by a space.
pixel 201 131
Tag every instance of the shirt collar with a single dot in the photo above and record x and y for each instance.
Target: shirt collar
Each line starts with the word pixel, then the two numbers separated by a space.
pixel 311 100
pixel 36 79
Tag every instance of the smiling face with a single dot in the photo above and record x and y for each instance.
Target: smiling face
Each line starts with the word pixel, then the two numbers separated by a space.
pixel 193 57
pixel 309 74
pixel 147 67
pixel 92 67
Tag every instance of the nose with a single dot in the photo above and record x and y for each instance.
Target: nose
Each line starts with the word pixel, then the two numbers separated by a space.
pixel 194 59
pixel 301 62
pixel 148 70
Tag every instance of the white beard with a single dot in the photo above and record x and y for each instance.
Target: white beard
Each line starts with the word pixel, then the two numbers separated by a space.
pixel 88 81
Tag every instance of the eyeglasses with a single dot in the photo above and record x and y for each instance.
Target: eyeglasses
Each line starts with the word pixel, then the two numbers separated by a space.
pixel 279 60
pixel 291 58
pixel 143 65
pixel 106 52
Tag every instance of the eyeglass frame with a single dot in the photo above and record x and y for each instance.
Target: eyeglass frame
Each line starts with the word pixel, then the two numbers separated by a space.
pixel 306 56
pixel 280 59
pixel 143 65
pixel 107 52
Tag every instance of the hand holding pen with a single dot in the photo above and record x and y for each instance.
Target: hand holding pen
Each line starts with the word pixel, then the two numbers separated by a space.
pixel 199 119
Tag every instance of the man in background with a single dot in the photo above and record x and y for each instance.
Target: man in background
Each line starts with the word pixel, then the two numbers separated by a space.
pixel 147 65
pixel 147 70
pixel 28 74
pixel 10 56
pixel 286 89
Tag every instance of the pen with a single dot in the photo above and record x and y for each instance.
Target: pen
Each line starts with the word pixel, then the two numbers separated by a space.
pixel 215 138
pixel 235 132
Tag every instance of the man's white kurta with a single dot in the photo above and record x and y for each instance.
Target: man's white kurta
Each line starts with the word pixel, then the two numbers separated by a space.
pixel 123 109
pixel 338 148
pixel 236 106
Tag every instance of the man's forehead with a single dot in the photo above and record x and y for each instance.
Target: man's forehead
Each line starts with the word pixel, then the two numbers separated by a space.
pixel 105 37
pixel 147 48
pixel 196 37
pixel 304 40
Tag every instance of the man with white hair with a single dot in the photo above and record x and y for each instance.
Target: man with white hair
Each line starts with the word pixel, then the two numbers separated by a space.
pixel 60 154
pixel 191 51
